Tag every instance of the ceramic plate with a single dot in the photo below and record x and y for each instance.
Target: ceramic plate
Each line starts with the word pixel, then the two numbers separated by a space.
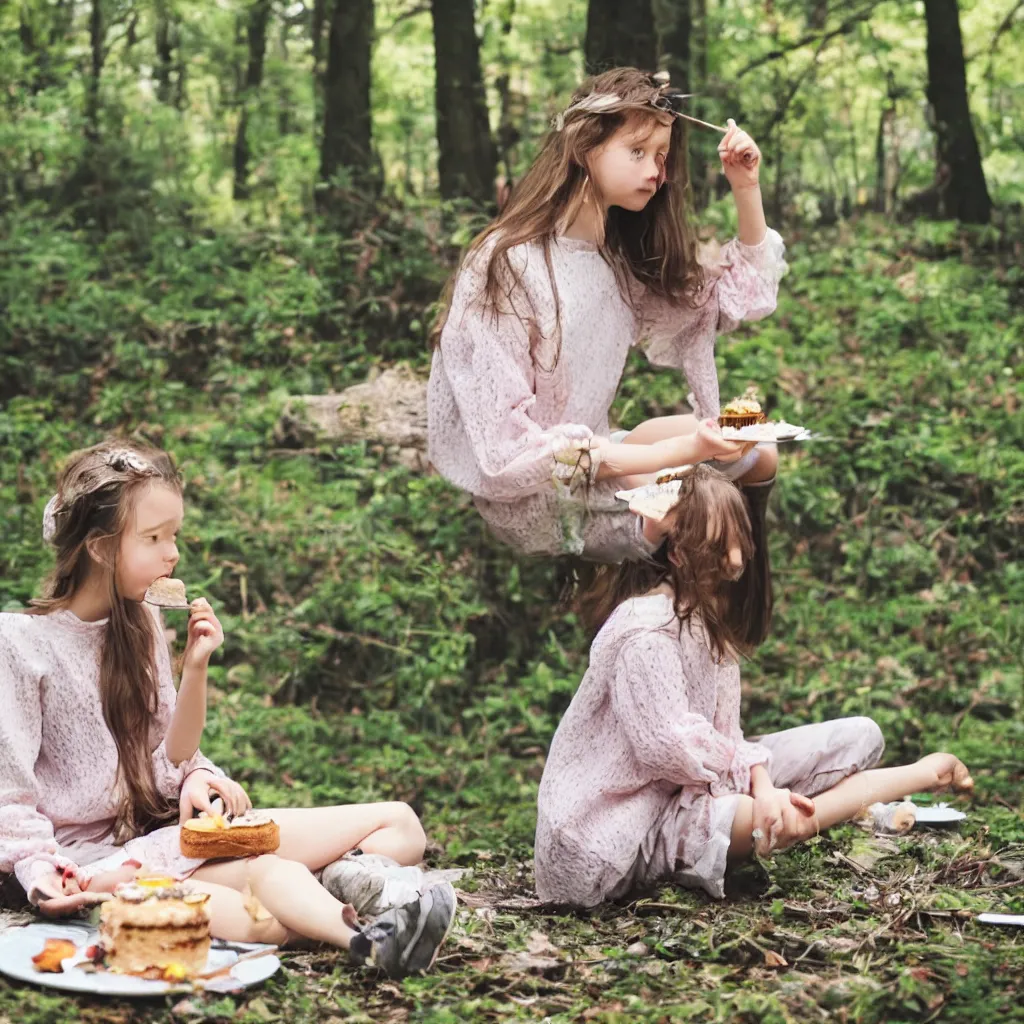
pixel 939 814
pixel 19 945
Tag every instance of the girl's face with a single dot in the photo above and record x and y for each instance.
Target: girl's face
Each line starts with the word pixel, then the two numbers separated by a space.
pixel 627 168
pixel 149 547
pixel 722 534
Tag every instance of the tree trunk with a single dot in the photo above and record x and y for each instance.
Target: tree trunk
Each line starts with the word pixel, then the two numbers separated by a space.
pixel 620 33
pixel 256 33
pixel 316 39
pixel 164 53
pixel 97 31
pixel 963 194
pixel 348 133
pixel 675 28
pixel 698 83
pixel 508 131
pixel 675 25
pixel 466 152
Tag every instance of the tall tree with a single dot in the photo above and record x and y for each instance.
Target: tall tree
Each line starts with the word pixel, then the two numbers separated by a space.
pixel 674 21
pixel 169 70
pixel 256 36
pixel 98 53
pixel 620 33
pixel 466 151
pixel 317 20
pixel 348 136
pixel 963 194
pixel 675 27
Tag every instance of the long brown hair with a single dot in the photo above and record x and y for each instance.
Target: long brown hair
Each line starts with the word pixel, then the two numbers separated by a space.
pixel 96 497
pixel 654 248
pixel 735 613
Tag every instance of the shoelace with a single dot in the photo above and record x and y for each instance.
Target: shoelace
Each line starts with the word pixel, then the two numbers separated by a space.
pixel 420 925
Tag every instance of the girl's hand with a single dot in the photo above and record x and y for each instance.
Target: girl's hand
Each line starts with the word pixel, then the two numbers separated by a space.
pixel 195 795
pixel 741 159
pixel 205 634
pixel 58 895
pixel 781 818
pixel 711 444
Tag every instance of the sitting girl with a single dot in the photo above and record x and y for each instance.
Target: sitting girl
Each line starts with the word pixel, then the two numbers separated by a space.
pixel 592 254
pixel 98 755
pixel 649 777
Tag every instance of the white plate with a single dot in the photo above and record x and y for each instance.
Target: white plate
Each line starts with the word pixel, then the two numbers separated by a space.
pixel 652 500
pixel 771 432
pixel 1013 919
pixel 19 945
pixel 938 814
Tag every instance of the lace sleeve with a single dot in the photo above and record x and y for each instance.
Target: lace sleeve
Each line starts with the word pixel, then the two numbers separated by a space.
pixel 742 284
pixel 652 707
pixel 28 847
pixel 489 384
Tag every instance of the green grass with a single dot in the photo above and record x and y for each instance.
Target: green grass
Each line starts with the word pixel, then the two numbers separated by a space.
pixel 379 645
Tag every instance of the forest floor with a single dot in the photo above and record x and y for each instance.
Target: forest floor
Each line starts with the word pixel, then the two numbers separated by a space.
pixel 380 646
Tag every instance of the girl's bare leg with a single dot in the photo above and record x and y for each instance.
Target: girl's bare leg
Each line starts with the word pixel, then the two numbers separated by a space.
pixel 229 920
pixel 847 798
pixel 315 836
pixel 298 904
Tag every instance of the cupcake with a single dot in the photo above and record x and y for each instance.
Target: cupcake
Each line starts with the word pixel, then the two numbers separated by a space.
pixel 742 411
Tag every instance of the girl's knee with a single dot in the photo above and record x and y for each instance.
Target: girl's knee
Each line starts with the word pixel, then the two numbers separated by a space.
pixel 766 467
pixel 869 741
pixel 269 931
pixel 407 820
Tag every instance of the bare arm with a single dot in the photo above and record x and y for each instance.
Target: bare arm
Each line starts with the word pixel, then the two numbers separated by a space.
pixel 682 450
pixel 189 716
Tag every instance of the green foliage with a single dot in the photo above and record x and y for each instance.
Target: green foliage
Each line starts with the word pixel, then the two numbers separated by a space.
pixel 380 645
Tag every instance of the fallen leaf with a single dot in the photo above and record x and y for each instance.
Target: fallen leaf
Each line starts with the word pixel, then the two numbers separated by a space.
pixel 540 945
pixel 253 907
pixel 48 961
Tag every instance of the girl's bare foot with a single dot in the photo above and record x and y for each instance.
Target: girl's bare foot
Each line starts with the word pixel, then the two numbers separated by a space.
pixel 950 772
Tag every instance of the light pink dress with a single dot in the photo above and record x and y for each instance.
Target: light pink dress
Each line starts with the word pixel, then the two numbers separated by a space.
pixel 58 760
pixel 644 772
pixel 499 417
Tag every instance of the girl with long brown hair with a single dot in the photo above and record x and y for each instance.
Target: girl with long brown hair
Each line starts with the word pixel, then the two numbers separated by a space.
pixel 649 777
pixel 593 253
pixel 99 756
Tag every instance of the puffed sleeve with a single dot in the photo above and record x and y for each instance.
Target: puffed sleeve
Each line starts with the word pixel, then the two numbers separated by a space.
pixel 727 722
pixel 742 283
pixel 483 390
pixel 652 707
pixel 28 846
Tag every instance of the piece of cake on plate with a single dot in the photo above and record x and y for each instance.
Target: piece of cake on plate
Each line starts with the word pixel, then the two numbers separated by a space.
pixel 156 926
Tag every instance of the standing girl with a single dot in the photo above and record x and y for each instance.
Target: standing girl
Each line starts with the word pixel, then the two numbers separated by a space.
pixel 649 777
pixel 98 755
pixel 592 254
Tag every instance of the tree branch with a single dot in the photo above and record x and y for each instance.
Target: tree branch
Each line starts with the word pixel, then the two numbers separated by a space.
pixel 813 37
pixel 1004 27
pixel 412 12
pixel 780 111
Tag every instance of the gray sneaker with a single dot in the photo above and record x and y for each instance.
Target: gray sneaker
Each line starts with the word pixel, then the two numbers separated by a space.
pixel 406 940
pixel 372 883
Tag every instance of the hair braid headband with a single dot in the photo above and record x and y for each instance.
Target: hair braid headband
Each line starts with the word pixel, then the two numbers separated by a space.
pixel 663 98
pixel 121 460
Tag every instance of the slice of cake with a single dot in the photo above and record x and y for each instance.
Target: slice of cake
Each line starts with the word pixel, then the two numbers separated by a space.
pixel 151 926
pixel 166 593
pixel 248 835
pixel 742 411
